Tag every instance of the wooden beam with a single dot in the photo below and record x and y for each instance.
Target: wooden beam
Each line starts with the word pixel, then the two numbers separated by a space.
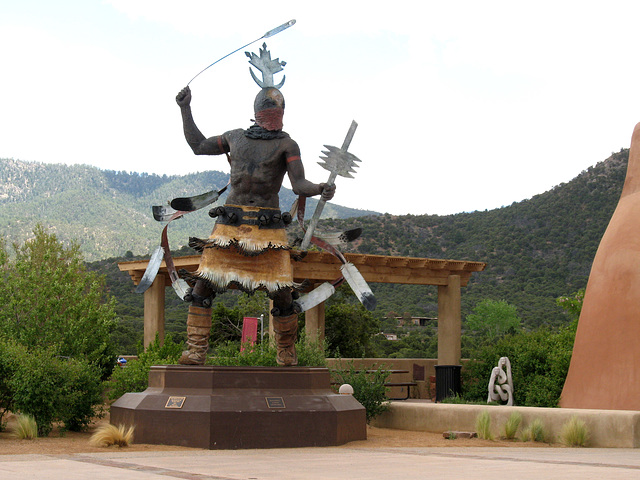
pixel 321 267
pixel 154 312
pixel 449 322
pixel 315 324
pixel 272 338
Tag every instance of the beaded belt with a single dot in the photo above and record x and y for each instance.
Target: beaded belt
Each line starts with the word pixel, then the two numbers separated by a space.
pixel 269 218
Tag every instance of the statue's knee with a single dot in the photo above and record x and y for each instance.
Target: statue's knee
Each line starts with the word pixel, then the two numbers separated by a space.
pixel 283 303
pixel 199 297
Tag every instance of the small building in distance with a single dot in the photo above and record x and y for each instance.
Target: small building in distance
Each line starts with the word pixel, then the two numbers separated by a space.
pixel 407 321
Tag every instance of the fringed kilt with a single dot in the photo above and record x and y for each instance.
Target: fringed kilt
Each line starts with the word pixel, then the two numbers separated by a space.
pixel 244 256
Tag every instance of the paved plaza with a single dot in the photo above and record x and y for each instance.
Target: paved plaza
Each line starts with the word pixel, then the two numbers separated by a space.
pixel 331 463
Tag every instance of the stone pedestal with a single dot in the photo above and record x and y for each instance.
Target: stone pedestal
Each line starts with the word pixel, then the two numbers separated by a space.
pixel 240 407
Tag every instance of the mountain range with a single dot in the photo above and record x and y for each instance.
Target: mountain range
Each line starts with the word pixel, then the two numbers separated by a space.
pixel 107 212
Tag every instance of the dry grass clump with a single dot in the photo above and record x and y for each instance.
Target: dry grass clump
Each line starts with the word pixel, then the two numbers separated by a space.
pixel 108 435
pixel 535 432
pixel 574 433
pixel 25 427
pixel 483 426
pixel 512 425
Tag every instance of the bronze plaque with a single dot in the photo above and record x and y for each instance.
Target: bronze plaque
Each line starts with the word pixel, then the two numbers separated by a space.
pixel 175 402
pixel 275 402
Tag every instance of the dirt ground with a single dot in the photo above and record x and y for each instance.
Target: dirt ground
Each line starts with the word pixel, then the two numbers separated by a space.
pixel 78 442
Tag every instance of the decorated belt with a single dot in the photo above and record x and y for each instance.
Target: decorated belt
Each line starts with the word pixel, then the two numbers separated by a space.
pixel 266 218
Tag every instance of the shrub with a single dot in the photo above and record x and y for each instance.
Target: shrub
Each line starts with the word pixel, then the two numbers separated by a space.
pixel 83 395
pixel 512 425
pixel 310 354
pixel 135 376
pixel 56 389
pixel 229 355
pixel 10 353
pixel 368 388
pixel 483 425
pixel 574 433
pixel 455 400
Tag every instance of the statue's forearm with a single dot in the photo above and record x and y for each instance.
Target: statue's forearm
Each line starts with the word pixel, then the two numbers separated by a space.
pixel 192 134
pixel 306 188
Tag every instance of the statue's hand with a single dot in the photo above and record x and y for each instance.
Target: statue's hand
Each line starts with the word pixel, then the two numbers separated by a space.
pixel 184 97
pixel 328 191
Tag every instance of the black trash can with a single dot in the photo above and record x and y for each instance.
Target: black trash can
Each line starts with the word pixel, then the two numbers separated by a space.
pixel 447 381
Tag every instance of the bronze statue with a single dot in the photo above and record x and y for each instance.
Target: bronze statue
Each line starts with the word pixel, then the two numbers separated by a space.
pixel 248 247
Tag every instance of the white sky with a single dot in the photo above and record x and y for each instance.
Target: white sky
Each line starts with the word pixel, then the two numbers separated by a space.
pixel 461 105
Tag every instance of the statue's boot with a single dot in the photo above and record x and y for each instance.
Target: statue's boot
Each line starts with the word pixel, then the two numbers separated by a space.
pixel 198 330
pixel 286 333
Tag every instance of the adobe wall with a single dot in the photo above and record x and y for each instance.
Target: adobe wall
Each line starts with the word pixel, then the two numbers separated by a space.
pixel 605 365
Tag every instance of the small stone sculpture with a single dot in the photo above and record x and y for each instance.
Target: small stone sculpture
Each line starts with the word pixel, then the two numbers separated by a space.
pixel 501 383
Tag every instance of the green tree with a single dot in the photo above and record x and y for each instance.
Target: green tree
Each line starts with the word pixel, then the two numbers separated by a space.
pixel 50 300
pixel 572 303
pixel 253 305
pixel 226 325
pixel 348 330
pixel 492 319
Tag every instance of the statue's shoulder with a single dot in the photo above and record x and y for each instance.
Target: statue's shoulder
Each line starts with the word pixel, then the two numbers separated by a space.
pixel 234 134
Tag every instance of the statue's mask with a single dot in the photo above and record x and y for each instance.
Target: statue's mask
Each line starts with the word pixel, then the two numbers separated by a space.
pixel 269 108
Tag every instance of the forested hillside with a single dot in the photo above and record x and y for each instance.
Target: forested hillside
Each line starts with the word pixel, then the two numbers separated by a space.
pixel 535 250
pixel 108 213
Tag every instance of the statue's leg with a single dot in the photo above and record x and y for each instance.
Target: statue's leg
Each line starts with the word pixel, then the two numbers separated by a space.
pixel 285 327
pixel 198 325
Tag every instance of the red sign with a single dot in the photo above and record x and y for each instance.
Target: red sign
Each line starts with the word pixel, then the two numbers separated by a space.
pixel 249 331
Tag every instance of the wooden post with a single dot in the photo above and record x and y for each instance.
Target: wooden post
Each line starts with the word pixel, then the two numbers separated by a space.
pixel 314 323
pixel 272 337
pixel 449 322
pixel 154 311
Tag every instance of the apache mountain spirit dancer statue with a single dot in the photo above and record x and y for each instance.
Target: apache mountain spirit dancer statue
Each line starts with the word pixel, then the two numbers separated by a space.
pixel 248 248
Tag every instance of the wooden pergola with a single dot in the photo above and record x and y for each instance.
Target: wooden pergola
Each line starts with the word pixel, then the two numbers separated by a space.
pixel 317 267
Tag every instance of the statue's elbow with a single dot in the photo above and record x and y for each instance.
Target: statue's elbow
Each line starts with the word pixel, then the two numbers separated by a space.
pixel 197 149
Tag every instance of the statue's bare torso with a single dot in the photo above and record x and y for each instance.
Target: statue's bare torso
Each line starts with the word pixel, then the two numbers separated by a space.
pixel 258 167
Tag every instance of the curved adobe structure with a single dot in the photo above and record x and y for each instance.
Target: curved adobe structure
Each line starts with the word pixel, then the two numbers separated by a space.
pixel 605 366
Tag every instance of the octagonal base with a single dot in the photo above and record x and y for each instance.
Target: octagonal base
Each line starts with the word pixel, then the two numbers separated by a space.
pixel 240 407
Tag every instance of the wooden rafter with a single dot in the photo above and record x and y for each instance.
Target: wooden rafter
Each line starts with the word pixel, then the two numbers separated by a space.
pixel 321 266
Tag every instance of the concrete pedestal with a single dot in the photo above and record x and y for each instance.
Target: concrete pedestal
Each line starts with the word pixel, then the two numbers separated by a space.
pixel 240 407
